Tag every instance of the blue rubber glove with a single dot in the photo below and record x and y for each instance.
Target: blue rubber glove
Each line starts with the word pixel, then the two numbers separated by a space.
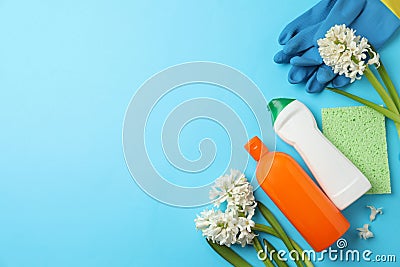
pixel 377 33
pixel 300 40
pixel 306 66
pixel 300 34
pixel 342 12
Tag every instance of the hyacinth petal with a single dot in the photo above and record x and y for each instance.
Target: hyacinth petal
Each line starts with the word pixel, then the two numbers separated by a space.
pixel 374 212
pixel 364 232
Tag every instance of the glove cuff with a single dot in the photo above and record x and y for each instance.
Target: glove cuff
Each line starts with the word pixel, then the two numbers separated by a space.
pixel 393 5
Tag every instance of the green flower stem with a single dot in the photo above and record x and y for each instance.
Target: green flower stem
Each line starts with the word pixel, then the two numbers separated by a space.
pixel 271 250
pixel 389 84
pixel 229 255
pixel 387 81
pixel 391 115
pixel 269 230
pixel 277 227
pixel 257 246
pixel 381 90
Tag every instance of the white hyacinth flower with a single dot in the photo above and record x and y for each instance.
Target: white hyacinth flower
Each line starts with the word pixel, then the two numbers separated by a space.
pixel 364 232
pixel 219 227
pixel 224 185
pixel 242 200
pixel 236 191
pixel 346 52
pixel 234 225
pixel 374 212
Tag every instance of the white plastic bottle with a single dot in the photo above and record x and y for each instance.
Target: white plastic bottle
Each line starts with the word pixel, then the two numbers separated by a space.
pixel 341 181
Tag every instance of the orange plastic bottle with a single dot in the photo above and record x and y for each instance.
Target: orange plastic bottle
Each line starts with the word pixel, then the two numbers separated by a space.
pixel 297 196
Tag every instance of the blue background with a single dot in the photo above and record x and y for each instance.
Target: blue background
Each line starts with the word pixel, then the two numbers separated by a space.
pixel 68 70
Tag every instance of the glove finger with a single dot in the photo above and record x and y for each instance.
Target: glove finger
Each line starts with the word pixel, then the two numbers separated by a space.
pixel 302 41
pixel 312 16
pixel 325 74
pixel 314 86
pixel 300 74
pixel 343 12
pixel 310 58
pixel 282 58
pixel 340 81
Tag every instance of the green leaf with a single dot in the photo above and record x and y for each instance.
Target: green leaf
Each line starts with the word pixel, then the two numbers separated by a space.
pixel 277 227
pixel 269 230
pixel 391 115
pixel 257 246
pixel 269 247
pixel 229 255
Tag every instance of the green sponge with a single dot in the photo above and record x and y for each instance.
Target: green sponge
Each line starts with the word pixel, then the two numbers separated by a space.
pixel 360 134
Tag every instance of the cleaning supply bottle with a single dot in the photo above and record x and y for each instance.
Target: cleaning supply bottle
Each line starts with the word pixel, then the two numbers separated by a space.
pixel 342 182
pixel 297 196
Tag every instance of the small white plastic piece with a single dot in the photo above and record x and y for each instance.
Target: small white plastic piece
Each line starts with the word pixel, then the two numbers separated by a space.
pixel 364 232
pixel 342 182
pixel 374 212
